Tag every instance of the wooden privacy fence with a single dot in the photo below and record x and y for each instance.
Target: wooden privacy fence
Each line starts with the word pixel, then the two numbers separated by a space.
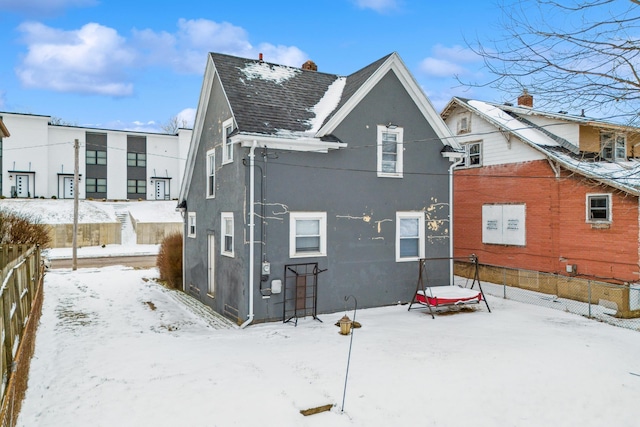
pixel 21 277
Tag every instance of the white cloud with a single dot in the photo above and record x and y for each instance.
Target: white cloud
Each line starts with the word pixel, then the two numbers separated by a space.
pixel 43 7
pixel 97 60
pixel 456 53
pixel 440 67
pixel 186 50
pixel 379 6
pixel 88 60
pixel 187 116
pixel 448 61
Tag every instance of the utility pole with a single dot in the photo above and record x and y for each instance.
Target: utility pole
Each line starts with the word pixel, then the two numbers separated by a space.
pixel 74 252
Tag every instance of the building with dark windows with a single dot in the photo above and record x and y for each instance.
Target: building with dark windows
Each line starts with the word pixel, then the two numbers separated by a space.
pixel 38 161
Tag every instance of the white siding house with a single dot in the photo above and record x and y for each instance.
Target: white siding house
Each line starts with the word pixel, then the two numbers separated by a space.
pixel 38 161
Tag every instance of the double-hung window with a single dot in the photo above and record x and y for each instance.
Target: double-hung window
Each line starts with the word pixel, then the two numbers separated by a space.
pixel 472 155
pixel 191 224
pixel 613 146
pixel 227 234
pixel 390 151
pixel 307 234
pixel 211 173
pixel 599 208
pixel 227 145
pixel 410 236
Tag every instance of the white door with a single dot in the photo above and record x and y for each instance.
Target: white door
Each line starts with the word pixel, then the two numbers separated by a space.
pixel 160 188
pixel 22 185
pixel 67 191
pixel 212 255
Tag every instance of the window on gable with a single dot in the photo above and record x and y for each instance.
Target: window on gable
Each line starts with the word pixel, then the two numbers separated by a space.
pixel 227 234
pixel 613 146
pixel 598 207
pixel 191 224
pixel 472 155
pixel 307 234
pixel 227 145
pixel 410 236
pixel 211 173
pixel 390 151
pixel 464 123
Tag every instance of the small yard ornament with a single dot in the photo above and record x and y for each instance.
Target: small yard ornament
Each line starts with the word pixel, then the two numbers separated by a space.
pixel 345 325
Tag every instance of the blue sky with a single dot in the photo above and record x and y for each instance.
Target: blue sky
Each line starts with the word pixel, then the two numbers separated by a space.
pixel 135 64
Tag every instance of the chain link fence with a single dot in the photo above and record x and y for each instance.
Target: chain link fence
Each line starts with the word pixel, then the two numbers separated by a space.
pixel 606 302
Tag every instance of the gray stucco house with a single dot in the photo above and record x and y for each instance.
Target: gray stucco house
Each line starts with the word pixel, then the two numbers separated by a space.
pixel 302 188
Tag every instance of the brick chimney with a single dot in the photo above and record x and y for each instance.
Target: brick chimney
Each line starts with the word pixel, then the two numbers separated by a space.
pixel 526 99
pixel 310 66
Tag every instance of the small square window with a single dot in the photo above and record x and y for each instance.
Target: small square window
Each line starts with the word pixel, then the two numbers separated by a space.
pixel 308 234
pixel 613 146
pixel 472 155
pixel 598 207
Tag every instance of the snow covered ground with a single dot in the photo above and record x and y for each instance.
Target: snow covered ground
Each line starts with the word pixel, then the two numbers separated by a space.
pixel 116 349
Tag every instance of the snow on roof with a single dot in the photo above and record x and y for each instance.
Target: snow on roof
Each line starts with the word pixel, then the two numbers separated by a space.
pixel 512 124
pixel 275 73
pixel 327 104
pixel 624 175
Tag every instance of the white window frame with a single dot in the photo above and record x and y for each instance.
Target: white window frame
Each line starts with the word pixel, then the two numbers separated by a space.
pixel 464 123
pixel 467 155
pixel 224 217
pixel 210 173
pixel 399 133
pixel 608 208
pixel 227 145
pixel 617 145
pixel 293 218
pixel 191 224
pixel 420 216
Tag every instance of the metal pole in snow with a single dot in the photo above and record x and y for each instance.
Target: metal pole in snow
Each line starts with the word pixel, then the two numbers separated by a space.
pixel 344 393
pixel 74 251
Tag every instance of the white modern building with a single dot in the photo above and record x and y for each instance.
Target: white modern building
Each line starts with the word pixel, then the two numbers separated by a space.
pixel 38 161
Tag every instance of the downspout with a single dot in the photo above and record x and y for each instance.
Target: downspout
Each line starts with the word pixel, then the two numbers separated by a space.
pixel 252 224
pixel 458 161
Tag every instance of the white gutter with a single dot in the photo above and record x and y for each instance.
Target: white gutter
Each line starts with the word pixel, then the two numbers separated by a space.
pixel 251 230
pixel 457 158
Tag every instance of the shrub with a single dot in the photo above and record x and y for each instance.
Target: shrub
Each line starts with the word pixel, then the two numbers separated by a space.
pixel 170 260
pixel 21 228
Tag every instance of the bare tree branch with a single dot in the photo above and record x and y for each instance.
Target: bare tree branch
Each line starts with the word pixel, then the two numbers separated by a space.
pixel 577 54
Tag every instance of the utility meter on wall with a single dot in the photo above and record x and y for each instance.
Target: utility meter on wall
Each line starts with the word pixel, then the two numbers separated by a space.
pixel 266 268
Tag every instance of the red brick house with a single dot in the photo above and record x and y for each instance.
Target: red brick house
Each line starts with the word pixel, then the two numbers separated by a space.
pixel 552 193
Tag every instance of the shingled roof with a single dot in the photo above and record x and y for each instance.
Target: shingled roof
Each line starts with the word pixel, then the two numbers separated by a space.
pixel 623 175
pixel 268 98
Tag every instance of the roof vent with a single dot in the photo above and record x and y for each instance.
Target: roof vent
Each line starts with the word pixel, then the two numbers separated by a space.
pixel 525 100
pixel 310 66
